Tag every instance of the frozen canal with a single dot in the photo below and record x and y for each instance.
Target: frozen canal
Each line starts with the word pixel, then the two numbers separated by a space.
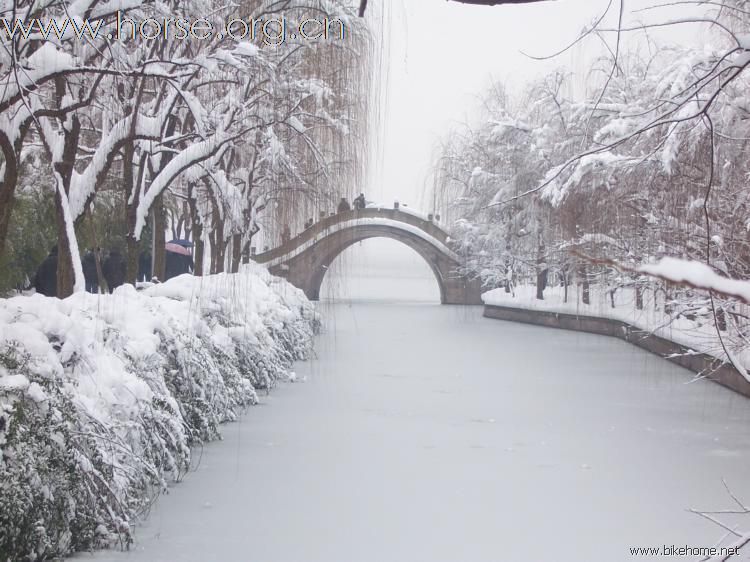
pixel 426 433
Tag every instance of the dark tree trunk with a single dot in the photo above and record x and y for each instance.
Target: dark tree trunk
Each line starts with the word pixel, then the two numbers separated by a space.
pixel 159 258
pixel 103 288
pixel 197 232
pixel 221 255
pixel 11 155
pixel 214 251
pixel 246 250
pixel 199 251
pixel 7 198
pixel 586 294
pixel 160 226
pixel 65 277
pixel 132 193
pixel 638 298
pixel 187 220
pixel 216 240
pixel 236 252
pixel 541 270
pixel 541 284
pixel 131 265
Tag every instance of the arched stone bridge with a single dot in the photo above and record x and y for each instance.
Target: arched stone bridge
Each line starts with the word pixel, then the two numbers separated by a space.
pixel 304 260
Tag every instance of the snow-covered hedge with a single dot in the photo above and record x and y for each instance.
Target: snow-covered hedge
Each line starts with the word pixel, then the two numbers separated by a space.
pixel 102 397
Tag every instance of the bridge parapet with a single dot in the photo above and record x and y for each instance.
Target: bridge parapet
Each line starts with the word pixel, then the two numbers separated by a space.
pixel 321 226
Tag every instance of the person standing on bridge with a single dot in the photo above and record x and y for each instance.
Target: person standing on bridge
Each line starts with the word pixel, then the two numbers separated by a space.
pixel 344 205
pixel 359 202
pixel 286 234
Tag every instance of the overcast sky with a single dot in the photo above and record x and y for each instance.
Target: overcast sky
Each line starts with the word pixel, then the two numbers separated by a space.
pixel 442 55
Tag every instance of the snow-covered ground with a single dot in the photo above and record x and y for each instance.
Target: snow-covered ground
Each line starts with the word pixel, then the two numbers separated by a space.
pixel 697 333
pixel 424 432
pixel 103 396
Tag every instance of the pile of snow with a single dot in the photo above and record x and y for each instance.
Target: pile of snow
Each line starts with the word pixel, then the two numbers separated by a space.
pixel 102 396
pixel 693 327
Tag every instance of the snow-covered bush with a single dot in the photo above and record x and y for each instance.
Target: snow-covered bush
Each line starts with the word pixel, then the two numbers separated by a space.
pixel 102 396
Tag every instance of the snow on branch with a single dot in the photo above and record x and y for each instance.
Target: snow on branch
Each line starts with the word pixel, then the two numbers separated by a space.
pixel 693 274
pixel 698 276
pixel 192 155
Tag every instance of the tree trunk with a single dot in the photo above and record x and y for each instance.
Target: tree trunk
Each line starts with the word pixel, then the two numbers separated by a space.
pixel 197 231
pixel 199 251
pixel 7 197
pixel 160 226
pixel 586 296
pixel 667 299
pixel 65 279
pixel 221 258
pixel 507 282
pixel 236 252
pixel 103 288
pixel 159 258
pixel 246 250
pixel 65 246
pixel 131 209
pixel 541 284
pixel 638 298
pixel 541 271
pixel 216 240
pixel 214 252
pixel 11 156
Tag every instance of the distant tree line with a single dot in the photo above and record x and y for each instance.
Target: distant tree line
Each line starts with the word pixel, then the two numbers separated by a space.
pixel 552 189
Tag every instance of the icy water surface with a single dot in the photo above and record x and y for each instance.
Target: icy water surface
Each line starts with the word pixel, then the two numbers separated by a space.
pixel 425 433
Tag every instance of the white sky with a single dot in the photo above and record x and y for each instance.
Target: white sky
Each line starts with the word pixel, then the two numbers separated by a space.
pixel 442 55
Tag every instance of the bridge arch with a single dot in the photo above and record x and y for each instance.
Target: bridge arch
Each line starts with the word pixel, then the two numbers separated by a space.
pixel 338 243
pixel 305 260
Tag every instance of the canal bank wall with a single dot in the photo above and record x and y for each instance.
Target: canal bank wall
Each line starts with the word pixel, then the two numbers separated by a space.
pixel 702 364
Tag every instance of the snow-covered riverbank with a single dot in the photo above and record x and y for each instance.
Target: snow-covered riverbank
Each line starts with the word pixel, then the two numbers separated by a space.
pixel 103 396
pixel 692 328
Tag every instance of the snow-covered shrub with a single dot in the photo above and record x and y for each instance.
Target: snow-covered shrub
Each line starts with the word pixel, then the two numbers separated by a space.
pixel 102 396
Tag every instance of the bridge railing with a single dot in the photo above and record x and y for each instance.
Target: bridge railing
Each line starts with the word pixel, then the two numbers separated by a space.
pixel 429 227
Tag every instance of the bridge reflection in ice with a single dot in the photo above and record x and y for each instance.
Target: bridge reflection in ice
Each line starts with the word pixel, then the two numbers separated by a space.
pixel 380 270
